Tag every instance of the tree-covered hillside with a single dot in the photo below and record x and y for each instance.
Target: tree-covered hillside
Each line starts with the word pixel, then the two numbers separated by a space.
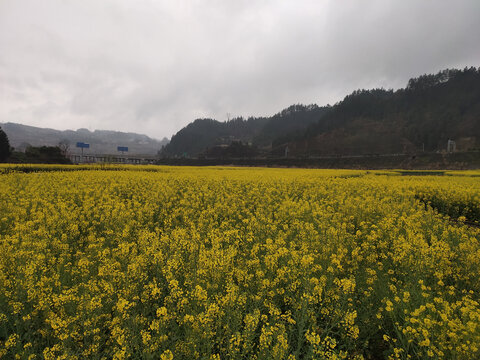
pixel 201 134
pixel 423 116
pixel 197 137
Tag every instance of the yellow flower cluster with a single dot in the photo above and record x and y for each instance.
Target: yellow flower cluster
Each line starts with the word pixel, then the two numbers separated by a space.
pixel 458 199
pixel 236 263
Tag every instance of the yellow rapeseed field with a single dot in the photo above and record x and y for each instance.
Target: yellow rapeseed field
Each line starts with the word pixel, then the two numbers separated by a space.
pixel 238 263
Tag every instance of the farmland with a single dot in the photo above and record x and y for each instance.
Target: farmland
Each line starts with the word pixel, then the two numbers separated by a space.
pixel 238 263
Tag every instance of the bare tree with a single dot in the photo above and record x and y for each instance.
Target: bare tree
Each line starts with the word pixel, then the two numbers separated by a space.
pixel 64 146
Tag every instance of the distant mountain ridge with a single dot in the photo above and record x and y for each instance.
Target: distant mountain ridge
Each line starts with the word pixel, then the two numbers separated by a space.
pixel 431 110
pixel 101 141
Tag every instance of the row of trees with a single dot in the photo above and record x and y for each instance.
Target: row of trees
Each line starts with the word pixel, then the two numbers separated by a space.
pixel 41 154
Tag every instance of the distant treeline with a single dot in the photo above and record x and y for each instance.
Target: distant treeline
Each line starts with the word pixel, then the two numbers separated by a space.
pixel 32 154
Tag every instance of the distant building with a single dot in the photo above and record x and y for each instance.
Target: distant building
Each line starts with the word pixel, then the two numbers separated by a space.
pixel 451 146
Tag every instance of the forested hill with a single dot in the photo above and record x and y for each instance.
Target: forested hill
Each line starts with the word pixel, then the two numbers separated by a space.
pixel 424 115
pixel 204 133
pixel 260 132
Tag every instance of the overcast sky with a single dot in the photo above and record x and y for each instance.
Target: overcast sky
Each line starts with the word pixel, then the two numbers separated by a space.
pixel 153 66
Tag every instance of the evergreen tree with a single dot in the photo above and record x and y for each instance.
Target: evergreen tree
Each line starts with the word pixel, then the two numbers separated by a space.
pixel 4 146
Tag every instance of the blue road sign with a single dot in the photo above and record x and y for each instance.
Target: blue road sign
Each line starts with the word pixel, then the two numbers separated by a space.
pixel 83 145
pixel 122 148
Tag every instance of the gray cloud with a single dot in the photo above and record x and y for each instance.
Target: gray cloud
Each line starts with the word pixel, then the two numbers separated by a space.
pixel 153 66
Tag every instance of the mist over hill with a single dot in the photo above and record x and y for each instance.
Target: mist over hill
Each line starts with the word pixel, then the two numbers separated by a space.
pixel 423 116
pixel 101 141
